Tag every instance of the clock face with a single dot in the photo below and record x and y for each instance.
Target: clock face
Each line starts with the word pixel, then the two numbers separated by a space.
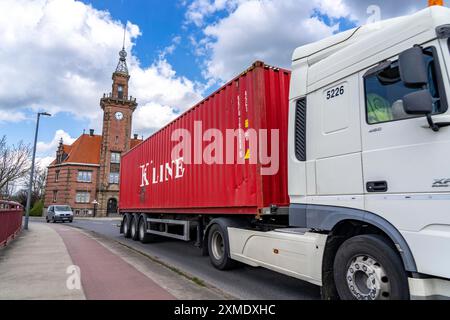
pixel 119 115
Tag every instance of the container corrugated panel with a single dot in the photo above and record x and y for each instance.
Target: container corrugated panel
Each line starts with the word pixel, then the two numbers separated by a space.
pixel 257 99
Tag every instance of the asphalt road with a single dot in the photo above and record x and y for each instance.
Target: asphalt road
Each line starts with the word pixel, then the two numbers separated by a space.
pixel 242 283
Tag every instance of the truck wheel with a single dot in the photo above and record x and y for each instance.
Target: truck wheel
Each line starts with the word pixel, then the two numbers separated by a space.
pixel 366 267
pixel 126 225
pixel 218 249
pixel 134 227
pixel 143 236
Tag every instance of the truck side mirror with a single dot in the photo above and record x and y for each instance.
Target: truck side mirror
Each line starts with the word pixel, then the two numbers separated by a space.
pixel 413 69
pixel 418 103
pixel 421 103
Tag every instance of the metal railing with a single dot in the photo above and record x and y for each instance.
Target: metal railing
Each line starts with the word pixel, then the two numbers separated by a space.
pixel 123 98
pixel 10 221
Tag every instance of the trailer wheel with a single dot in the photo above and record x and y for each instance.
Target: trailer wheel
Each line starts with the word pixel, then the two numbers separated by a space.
pixel 143 236
pixel 366 267
pixel 134 227
pixel 126 225
pixel 218 249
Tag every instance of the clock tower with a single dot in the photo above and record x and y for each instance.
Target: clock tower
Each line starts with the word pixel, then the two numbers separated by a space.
pixel 118 110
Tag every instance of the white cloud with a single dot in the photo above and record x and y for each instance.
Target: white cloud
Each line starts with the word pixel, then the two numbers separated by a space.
pixel 44 162
pixel 199 10
pixel 388 8
pixel 160 85
pixel 259 30
pixel 58 55
pixel 152 116
pixel 170 49
pixel 12 116
pixel 46 149
pixel 270 30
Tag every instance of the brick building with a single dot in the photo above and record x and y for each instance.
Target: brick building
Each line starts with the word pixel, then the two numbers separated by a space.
pixel 85 174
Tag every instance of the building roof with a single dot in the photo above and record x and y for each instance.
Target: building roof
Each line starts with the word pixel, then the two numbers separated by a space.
pixel 86 150
pixel 134 143
pixel 67 148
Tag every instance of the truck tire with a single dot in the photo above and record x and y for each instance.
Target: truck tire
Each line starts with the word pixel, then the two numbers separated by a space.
pixel 366 267
pixel 134 234
pixel 218 249
pixel 143 236
pixel 126 224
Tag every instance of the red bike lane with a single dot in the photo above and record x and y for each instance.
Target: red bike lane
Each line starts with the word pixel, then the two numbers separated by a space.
pixel 104 275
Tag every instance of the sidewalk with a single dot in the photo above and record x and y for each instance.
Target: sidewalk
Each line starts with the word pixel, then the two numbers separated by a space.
pixel 35 266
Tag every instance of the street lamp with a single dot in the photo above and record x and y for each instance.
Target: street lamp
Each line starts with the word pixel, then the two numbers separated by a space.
pixel 27 212
pixel 95 203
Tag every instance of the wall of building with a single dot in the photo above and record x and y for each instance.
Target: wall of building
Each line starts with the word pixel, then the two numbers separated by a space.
pixel 67 186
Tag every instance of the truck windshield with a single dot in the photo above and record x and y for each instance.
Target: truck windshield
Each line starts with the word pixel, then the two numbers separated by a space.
pixel 63 208
pixel 384 92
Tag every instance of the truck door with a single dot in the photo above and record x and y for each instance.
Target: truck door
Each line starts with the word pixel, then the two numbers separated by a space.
pixel 335 148
pixel 405 163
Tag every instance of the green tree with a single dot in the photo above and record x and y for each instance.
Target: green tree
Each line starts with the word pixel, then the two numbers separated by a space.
pixel 37 209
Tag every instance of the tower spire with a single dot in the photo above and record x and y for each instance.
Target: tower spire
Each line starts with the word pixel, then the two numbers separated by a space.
pixel 124 33
pixel 122 65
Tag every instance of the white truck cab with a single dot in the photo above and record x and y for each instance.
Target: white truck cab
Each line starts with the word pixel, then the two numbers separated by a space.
pixel 369 146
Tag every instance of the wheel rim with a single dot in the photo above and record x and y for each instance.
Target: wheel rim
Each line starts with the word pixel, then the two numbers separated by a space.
pixel 125 226
pixel 217 245
pixel 367 279
pixel 133 228
pixel 141 230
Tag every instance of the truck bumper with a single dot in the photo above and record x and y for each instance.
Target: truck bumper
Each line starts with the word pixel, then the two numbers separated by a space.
pixel 429 289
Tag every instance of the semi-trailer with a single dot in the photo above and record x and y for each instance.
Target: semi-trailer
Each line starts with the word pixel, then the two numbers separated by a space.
pixel 335 173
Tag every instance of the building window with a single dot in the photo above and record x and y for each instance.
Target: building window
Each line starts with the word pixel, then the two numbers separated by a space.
pixel 57 175
pixel 55 195
pixel 115 157
pixel 384 91
pixel 82 197
pixel 120 91
pixel 84 176
pixel 114 178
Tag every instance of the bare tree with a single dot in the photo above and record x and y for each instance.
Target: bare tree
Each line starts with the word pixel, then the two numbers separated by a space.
pixel 39 180
pixel 21 197
pixel 14 162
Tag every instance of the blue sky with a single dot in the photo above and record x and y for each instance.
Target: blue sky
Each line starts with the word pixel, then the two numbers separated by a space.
pixel 63 53
pixel 160 21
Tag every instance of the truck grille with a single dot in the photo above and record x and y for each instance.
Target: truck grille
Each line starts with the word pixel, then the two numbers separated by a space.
pixel 300 130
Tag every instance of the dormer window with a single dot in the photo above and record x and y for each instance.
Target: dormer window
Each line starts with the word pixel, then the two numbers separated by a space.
pixel 120 91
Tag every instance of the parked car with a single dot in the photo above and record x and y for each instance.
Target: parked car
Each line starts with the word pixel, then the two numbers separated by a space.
pixel 59 213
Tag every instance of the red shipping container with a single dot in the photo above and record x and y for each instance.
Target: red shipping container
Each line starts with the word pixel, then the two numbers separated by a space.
pixel 153 180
